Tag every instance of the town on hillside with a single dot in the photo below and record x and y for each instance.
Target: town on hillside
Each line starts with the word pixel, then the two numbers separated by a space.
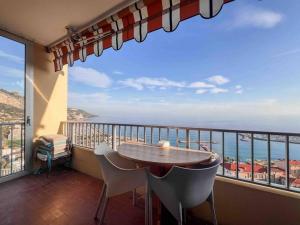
pixel 12 130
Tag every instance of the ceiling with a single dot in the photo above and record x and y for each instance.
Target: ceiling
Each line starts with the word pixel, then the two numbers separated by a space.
pixel 44 21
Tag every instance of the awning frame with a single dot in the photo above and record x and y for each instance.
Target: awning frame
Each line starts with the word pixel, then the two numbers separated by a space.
pixel 133 22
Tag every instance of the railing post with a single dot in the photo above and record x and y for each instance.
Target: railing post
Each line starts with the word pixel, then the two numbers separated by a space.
pixel 187 138
pixel 287 158
pixel 1 150
pixel 114 139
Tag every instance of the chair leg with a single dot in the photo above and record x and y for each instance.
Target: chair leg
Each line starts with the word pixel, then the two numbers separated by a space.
pixel 103 211
pixel 184 216
pixel 100 201
pixel 150 216
pixel 180 214
pixel 212 208
pixel 146 206
pixel 134 197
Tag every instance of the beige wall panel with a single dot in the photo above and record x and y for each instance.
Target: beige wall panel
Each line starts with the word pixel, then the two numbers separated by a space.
pixel 84 160
pixel 50 94
pixel 238 203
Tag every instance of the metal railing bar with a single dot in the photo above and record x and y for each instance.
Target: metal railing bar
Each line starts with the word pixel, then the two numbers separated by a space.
pixel 22 149
pixel 287 158
pixel 237 154
pixel 252 157
pixel 187 138
pixel 269 158
pixel 119 134
pixel 151 135
pixel 210 140
pixel 145 135
pixel 177 136
pixel 207 129
pixel 223 153
pixel 80 130
pixel 159 134
pixel 11 148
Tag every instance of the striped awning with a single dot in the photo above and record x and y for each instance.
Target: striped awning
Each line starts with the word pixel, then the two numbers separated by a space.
pixel 133 22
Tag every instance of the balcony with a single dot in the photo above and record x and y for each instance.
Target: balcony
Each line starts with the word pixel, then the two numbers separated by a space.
pixel 69 196
pixel 258 181
pixel 250 156
pixel 257 191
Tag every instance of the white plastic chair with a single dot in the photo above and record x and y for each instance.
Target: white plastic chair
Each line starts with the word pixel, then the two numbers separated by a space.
pixel 117 180
pixel 183 188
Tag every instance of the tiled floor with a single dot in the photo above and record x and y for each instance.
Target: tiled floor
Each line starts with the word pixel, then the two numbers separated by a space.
pixel 66 197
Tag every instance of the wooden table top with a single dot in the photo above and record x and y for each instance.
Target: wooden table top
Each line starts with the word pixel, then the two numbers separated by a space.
pixel 151 154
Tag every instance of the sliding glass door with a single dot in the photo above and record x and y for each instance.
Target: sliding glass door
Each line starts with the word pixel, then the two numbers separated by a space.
pixel 13 103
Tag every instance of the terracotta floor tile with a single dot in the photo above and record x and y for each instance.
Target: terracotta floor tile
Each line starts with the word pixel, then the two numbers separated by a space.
pixel 67 197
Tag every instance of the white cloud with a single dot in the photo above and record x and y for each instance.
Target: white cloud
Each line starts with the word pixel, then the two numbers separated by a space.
pixel 200 84
pixel 201 91
pixel 11 57
pixel 218 90
pixel 118 72
pixel 131 83
pixel 11 72
pixel 83 100
pixel 164 83
pixel 90 77
pixel 286 53
pixel 239 89
pixel 218 79
pixel 151 83
pixel 249 16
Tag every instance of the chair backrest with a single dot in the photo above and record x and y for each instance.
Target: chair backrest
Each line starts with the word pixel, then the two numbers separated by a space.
pixel 192 186
pixel 107 168
pixel 214 160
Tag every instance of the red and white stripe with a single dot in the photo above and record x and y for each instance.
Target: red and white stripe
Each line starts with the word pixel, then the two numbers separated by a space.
pixel 171 14
pixel 117 27
pixel 140 15
pixel 210 8
pixel 82 51
pixel 140 18
pixel 70 49
pixel 98 44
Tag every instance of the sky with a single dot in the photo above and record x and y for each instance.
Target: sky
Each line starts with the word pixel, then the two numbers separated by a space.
pixel 239 70
pixel 12 55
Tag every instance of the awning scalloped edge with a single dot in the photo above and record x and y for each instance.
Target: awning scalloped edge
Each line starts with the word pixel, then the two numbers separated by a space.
pixel 133 22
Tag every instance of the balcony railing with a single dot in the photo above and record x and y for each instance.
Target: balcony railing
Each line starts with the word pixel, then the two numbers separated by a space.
pixel 266 158
pixel 11 148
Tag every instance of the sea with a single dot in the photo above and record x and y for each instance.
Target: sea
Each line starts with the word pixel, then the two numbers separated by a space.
pixel 231 145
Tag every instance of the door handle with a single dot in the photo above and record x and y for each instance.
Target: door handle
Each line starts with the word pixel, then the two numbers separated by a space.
pixel 28 120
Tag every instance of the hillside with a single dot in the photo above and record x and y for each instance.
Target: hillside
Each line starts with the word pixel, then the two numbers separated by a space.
pixel 12 105
pixel 78 114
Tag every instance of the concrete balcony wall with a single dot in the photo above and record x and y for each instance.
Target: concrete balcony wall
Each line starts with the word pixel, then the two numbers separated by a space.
pixel 240 203
pixel 84 160
pixel 50 93
pixel 237 203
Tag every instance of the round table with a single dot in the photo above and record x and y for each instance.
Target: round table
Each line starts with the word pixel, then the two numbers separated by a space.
pixel 149 154
pixel 163 159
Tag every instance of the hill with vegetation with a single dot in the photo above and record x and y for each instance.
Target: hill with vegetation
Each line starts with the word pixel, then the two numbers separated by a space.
pixel 12 108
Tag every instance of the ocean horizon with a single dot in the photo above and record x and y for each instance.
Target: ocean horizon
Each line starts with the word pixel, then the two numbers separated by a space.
pixel 278 151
